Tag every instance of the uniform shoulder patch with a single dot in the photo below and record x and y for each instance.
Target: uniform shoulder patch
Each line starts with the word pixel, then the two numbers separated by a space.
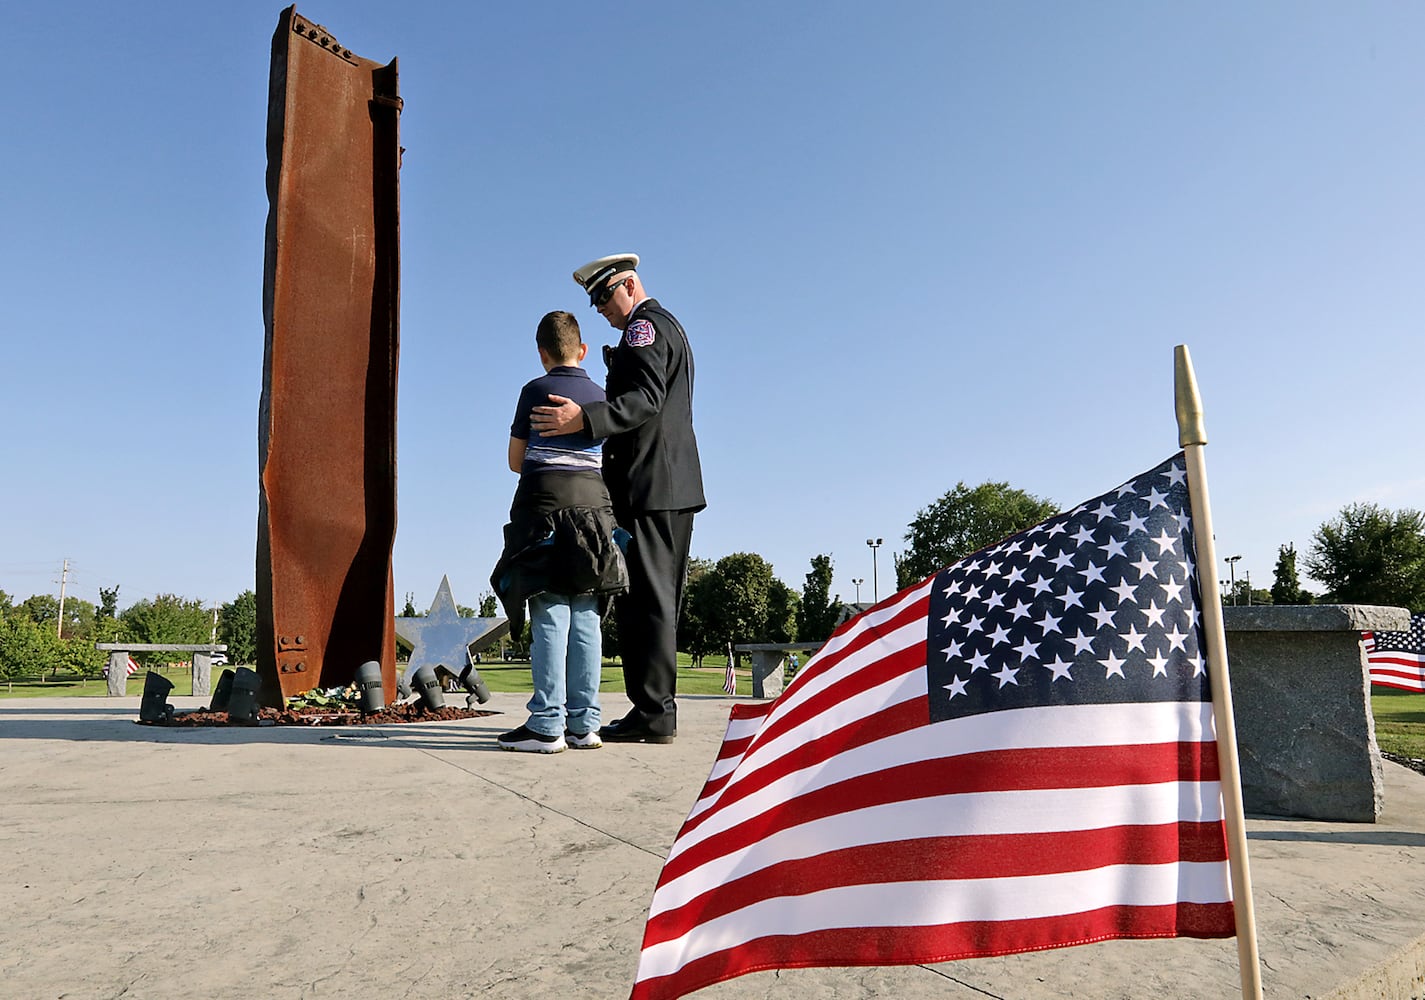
pixel 639 333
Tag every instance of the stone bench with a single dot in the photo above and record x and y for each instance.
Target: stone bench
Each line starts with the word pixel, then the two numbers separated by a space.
pixel 769 661
pixel 1301 693
pixel 119 662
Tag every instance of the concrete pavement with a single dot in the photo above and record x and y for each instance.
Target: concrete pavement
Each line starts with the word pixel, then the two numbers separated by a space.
pixel 421 861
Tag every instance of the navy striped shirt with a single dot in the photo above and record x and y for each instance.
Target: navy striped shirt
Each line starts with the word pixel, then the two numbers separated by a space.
pixel 565 452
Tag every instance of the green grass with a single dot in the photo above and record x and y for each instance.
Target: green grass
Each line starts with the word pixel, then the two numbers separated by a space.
pixel 70 686
pixel 707 680
pixel 1399 715
pixel 499 676
pixel 1400 721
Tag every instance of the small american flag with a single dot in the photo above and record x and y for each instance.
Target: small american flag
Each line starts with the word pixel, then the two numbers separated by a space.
pixel 130 668
pixel 729 679
pixel 1017 753
pixel 1397 659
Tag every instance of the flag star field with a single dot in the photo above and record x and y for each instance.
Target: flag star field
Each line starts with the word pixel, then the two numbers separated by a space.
pixel 1095 606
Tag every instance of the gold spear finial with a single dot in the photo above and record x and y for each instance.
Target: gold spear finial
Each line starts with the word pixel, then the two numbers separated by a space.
pixel 1191 429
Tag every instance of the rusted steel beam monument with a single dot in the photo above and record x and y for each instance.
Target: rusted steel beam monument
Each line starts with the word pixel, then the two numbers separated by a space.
pixel 327 418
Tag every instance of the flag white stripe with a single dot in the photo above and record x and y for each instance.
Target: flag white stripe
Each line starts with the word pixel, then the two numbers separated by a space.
pixel 966 814
pixel 808 683
pixel 944 902
pixel 856 708
pixel 910 634
pixel 1025 728
pixel 737 729
pixel 872 619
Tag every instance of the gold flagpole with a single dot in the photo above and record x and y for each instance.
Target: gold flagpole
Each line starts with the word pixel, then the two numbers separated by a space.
pixel 1192 435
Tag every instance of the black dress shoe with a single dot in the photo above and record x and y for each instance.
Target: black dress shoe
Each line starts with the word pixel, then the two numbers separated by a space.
pixel 633 731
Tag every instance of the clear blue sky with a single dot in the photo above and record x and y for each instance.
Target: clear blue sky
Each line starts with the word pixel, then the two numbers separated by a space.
pixel 912 243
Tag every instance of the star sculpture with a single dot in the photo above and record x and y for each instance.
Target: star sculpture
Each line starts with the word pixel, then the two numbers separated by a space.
pixel 442 637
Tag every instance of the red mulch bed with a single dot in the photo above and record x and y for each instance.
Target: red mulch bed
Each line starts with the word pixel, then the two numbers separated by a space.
pixel 314 716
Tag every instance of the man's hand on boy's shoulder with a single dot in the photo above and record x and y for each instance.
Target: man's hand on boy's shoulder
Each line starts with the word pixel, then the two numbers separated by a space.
pixel 563 417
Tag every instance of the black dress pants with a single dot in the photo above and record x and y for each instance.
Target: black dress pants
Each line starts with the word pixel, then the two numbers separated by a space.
pixel 648 614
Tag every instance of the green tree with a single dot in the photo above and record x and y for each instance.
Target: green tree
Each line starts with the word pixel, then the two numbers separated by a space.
pixel 108 602
pixel 1245 594
pixel 608 633
pixel 42 609
pixel 966 520
pixel 28 648
pixel 409 611
pixel 489 607
pixel 1368 554
pixel 783 607
pixel 819 611
pixel 106 624
pixel 166 618
pixel 1286 585
pixel 736 598
pixel 695 636
pixel 520 644
pixel 80 617
pixel 80 656
pixel 237 627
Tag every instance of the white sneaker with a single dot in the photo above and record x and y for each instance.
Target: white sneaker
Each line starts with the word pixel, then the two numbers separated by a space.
pixel 528 741
pixel 583 741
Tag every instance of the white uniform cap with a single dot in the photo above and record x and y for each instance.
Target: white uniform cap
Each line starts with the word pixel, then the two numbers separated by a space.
pixel 594 275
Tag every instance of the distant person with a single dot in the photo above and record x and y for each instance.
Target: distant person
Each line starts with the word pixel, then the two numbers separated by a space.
pixel 654 477
pixel 559 554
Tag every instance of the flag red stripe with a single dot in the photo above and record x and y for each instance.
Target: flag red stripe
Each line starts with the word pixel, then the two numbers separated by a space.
pixel 795 704
pixel 797 707
pixel 863 946
pixel 734 748
pixel 1412 684
pixel 997 770
pixel 745 711
pixel 900 718
pixel 1399 675
pixel 860 632
pixel 1409 662
pixel 949 858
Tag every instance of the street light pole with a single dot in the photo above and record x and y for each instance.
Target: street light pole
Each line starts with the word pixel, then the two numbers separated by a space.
pixel 857 584
pixel 1232 569
pixel 874 543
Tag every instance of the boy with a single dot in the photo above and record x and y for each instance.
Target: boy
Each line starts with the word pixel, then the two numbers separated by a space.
pixel 559 553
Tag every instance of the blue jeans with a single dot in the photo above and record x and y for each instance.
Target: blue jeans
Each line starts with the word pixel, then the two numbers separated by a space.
pixel 565 660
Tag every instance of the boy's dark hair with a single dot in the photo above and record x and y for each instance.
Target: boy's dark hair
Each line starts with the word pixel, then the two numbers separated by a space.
pixel 558 334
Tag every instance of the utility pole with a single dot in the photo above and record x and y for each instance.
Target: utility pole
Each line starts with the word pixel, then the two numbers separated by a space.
pixel 213 636
pixel 63 579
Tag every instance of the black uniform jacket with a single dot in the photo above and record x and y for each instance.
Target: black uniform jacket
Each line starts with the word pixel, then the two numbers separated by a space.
pixel 651 455
pixel 559 539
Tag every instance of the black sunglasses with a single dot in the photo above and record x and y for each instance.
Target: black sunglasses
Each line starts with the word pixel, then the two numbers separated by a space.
pixel 606 293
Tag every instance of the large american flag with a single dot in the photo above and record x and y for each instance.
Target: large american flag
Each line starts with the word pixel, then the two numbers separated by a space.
pixel 1018 753
pixel 1397 659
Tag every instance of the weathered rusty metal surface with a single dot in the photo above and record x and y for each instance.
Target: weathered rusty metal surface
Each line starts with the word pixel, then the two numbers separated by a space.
pixel 327 418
